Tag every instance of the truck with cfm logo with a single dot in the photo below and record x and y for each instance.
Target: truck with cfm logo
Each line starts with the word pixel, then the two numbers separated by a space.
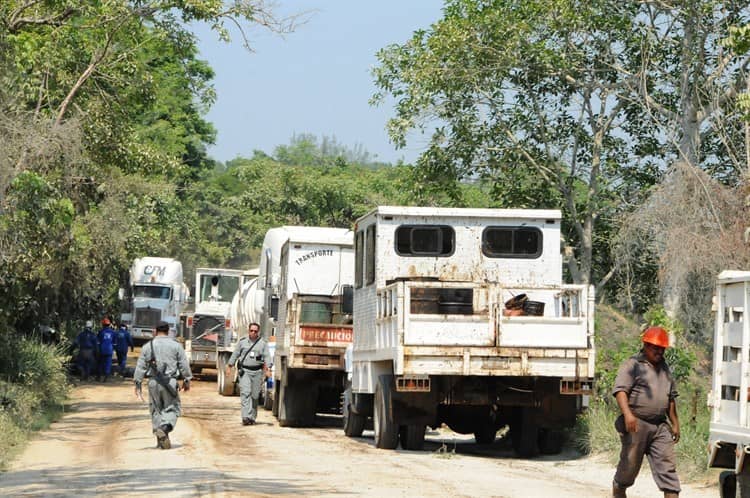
pixel 461 317
pixel 155 292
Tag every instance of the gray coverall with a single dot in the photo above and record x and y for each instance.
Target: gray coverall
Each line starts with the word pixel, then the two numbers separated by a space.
pixel 170 359
pixel 250 373
pixel 650 389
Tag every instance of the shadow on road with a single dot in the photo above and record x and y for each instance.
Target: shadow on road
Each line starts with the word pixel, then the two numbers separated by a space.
pixel 65 481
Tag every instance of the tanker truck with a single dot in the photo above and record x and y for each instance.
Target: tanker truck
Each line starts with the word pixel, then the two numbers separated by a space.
pixel 155 292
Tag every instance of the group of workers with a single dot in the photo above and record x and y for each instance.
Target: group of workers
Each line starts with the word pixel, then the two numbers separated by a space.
pixel 95 350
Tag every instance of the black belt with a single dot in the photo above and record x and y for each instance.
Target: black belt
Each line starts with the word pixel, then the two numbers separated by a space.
pixel 256 367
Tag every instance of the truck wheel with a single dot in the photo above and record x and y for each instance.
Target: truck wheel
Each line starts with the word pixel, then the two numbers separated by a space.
pixel 485 433
pixel 354 423
pixel 267 397
pixel 276 396
pixel 524 433
pixel 550 441
pixel 386 431
pixel 727 484
pixel 286 407
pixel 296 407
pixel 225 384
pixel 412 437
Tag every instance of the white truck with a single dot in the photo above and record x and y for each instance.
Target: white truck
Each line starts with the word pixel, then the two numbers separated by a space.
pixel 156 291
pixel 461 317
pixel 729 398
pixel 315 270
pixel 207 330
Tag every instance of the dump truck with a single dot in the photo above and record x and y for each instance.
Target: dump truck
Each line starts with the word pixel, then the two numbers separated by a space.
pixel 729 397
pixel 461 317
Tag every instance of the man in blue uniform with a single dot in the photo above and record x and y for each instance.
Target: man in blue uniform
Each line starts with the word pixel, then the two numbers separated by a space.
pixel 86 343
pixel 122 343
pixel 106 339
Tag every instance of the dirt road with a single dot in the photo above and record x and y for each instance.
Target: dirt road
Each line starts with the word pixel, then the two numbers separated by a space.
pixel 103 447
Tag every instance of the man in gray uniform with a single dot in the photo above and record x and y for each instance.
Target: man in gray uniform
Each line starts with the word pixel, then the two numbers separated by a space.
pixel 163 360
pixel 646 394
pixel 252 357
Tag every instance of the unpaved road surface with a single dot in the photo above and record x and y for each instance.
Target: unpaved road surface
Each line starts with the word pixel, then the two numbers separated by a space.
pixel 103 447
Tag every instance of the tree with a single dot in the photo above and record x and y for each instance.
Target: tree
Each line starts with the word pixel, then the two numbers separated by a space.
pixel 523 95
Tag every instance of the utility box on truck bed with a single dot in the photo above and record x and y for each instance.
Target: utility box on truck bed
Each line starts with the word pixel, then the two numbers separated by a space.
pixel 461 317
pixel 729 429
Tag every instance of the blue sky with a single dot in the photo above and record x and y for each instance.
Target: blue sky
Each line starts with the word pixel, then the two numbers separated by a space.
pixel 315 80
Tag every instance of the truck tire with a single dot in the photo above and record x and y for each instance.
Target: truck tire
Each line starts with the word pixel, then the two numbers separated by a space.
pixel 267 396
pixel 485 433
pixel 225 384
pixel 524 433
pixel 551 441
pixel 276 396
pixel 296 406
pixel 412 437
pixel 354 423
pixel 386 431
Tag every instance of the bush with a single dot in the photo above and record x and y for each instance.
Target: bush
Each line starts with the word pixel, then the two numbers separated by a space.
pixel 33 389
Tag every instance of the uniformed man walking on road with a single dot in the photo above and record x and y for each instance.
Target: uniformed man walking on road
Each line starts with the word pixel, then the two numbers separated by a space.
pixel 646 394
pixel 163 360
pixel 252 357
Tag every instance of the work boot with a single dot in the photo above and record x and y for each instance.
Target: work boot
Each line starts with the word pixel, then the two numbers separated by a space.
pixel 246 421
pixel 670 494
pixel 162 438
pixel 617 491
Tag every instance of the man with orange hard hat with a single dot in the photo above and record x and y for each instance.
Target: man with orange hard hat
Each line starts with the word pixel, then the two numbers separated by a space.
pixel 646 394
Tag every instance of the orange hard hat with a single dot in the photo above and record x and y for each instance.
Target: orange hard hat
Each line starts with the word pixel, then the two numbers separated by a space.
pixel 657 336
pixel 105 321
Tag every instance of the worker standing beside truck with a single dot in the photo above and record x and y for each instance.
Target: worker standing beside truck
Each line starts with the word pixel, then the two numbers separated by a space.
pixel 646 394
pixel 252 357
pixel 123 342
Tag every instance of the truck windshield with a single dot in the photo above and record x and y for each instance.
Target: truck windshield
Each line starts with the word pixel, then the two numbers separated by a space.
pixel 218 288
pixel 152 291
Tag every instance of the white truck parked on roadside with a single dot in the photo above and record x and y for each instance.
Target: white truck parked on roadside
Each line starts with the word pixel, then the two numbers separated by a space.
pixel 315 268
pixel 207 329
pixel 729 399
pixel 461 317
pixel 156 291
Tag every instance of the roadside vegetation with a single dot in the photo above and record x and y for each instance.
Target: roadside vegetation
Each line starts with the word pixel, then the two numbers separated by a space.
pixel 638 134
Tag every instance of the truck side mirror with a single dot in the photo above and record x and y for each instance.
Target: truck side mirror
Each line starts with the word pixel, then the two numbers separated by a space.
pixel 347 299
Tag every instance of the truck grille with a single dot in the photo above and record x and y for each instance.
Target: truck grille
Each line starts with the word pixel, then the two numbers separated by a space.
pixel 146 317
pixel 208 330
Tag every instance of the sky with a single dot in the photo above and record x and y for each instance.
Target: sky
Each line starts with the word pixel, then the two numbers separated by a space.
pixel 315 80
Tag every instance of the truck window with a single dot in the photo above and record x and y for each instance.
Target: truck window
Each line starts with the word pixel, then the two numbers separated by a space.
pixel 425 240
pixel 370 255
pixel 512 242
pixel 152 291
pixel 218 288
pixel 358 252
